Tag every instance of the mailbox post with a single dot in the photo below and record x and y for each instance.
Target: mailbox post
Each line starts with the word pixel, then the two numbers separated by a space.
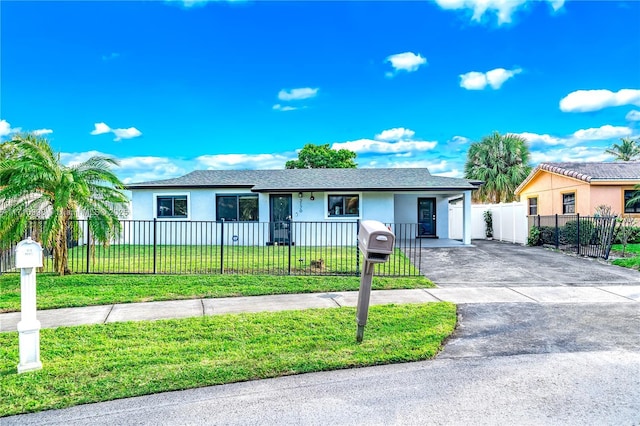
pixel 28 258
pixel 375 242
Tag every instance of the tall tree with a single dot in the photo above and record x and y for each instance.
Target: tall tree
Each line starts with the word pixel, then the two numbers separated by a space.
pixel 502 162
pixel 628 150
pixel 323 157
pixel 34 183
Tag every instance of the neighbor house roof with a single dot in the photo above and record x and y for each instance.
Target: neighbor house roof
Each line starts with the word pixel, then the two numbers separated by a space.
pixel 313 180
pixel 589 172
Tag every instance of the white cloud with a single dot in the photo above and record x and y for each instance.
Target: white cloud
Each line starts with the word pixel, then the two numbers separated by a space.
pixel 395 134
pixel 407 61
pixel 594 100
pixel 503 9
pixel 475 80
pixel 572 154
pixel 279 107
pixel 131 132
pixel 41 132
pixel 537 139
pixel 602 133
pixel 297 94
pixel 136 169
pixel 363 146
pixel 633 115
pixel 100 128
pixel 244 161
pixel 6 129
pixel 74 158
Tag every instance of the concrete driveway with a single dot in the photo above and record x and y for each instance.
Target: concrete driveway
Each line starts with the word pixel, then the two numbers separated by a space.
pixel 499 264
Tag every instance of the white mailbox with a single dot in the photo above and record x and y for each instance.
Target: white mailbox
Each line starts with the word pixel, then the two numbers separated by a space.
pixel 28 254
pixel 375 241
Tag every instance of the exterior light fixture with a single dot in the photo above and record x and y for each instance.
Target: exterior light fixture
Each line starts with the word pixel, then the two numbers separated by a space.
pixel 312 197
pixel 300 195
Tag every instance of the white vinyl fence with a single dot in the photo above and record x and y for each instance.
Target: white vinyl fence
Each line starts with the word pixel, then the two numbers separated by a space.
pixel 509 221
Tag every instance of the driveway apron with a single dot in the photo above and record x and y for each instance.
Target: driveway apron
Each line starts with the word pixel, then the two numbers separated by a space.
pixel 499 264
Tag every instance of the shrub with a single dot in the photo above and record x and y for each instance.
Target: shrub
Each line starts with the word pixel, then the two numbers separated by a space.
pixel 534 236
pixel 488 221
pixel 569 232
pixel 548 235
pixel 634 236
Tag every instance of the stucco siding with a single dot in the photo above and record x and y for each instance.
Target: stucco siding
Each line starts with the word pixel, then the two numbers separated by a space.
pixel 549 189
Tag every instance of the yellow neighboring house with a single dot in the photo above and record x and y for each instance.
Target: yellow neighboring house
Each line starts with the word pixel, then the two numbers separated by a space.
pixel 570 188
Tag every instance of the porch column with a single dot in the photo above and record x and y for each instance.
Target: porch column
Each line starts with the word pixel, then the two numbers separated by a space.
pixel 466 217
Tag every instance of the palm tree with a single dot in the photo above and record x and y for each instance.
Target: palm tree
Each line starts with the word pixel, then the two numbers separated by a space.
pixel 501 162
pixel 33 183
pixel 628 150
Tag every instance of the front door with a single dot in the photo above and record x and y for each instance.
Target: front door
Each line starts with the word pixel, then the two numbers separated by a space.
pixel 426 217
pixel 280 218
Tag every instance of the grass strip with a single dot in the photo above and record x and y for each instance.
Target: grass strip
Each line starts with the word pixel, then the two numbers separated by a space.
pixel 85 289
pixel 627 262
pixel 88 364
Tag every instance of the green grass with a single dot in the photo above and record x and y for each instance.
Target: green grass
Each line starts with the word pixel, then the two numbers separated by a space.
pixel 627 262
pixel 207 259
pixel 86 289
pixel 103 362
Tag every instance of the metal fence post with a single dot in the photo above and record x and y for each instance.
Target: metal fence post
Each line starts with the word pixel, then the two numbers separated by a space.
pixel 88 245
pixel 557 233
pixel 221 246
pixel 155 246
pixel 289 245
pixel 357 249
pixel 578 231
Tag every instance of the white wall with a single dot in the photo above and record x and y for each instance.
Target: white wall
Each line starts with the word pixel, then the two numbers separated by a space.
pixel 509 221
pixel 406 210
pixel 387 207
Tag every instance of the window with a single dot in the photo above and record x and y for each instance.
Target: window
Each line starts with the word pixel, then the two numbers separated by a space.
pixel 533 206
pixel 344 205
pixel 635 207
pixel 568 203
pixel 171 206
pixel 243 208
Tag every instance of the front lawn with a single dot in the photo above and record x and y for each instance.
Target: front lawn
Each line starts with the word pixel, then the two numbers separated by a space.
pixel 85 289
pixel 632 252
pixel 103 362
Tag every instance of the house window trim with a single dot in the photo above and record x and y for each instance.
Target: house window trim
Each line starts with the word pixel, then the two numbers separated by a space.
pixel 342 217
pixel 171 194
pixel 575 202
pixel 533 197
pixel 624 202
pixel 237 195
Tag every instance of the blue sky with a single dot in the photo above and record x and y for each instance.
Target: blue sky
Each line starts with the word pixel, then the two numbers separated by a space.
pixel 169 87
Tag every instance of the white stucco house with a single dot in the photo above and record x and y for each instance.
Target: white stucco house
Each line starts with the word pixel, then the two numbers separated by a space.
pixel 412 197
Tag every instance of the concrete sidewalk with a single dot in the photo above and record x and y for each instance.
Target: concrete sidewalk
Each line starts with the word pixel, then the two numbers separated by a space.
pixel 199 307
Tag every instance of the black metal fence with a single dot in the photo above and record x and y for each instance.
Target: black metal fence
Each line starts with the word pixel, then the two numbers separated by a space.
pixel 584 235
pixel 206 247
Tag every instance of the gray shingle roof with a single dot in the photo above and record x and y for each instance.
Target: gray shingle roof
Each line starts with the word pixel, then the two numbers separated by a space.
pixel 590 172
pixel 313 180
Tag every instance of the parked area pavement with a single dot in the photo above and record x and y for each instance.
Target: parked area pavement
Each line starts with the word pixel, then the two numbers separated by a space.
pixel 539 352
pixel 500 264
